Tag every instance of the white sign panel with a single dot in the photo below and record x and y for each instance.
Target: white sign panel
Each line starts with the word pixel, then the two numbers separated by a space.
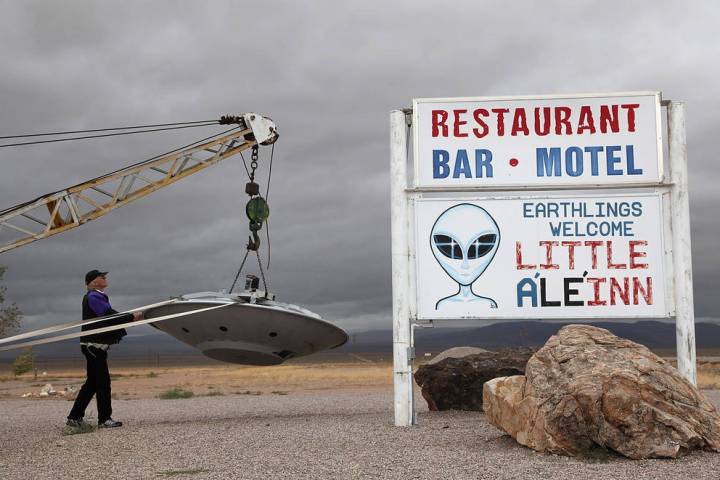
pixel 588 256
pixel 576 140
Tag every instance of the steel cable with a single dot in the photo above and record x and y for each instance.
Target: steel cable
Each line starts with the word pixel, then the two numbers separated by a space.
pixel 267 195
pixel 67 326
pixel 2 212
pixel 71 132
pixel 247 252
pixel 262 272
pixel 134 323
pixel 37 142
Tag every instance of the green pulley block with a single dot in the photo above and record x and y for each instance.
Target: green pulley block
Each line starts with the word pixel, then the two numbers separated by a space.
pixel 257 210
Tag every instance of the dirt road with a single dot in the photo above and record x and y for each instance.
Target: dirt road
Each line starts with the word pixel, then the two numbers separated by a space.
pixel 341 433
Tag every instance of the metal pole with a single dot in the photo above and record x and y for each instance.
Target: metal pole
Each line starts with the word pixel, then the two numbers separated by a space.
pixel 402 369
pixel 682 255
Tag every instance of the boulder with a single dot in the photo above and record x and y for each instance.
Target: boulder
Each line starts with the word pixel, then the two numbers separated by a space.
pixel 587 388
pixel 69 391
pixel 457 383
pixel 47 390
pixel 456 352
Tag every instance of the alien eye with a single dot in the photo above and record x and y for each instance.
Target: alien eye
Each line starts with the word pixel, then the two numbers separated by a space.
pixel 448 246
pixel 481 246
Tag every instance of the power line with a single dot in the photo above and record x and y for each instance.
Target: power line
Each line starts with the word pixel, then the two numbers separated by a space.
pixel 69 132
pixel 106 135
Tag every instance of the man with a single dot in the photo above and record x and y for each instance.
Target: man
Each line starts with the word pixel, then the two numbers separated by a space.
pixel 95 346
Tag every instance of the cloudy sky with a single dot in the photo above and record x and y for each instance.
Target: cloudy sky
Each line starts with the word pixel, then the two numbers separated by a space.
pixel 328 73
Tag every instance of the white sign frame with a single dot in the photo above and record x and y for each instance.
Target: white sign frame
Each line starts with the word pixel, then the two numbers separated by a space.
pixel 677 237
pixel 429 186
pixel 661 194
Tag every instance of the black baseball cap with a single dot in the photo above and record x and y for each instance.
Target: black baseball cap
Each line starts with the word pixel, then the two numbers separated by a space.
pixel 93 274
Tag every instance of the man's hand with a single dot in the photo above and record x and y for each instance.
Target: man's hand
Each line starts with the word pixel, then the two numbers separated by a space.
pixel 138 316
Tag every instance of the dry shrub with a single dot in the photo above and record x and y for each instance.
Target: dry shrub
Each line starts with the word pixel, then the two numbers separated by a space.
pixel 24 362
pixel 84 427
pixel 308 375
pixel 214 393
pixel 709 378
pixel 176 393
pixel 187 471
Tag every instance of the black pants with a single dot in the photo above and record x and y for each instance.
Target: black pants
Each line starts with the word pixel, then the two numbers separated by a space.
pixel 97 383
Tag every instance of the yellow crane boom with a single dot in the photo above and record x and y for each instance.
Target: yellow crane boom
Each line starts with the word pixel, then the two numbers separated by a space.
pixel 60 211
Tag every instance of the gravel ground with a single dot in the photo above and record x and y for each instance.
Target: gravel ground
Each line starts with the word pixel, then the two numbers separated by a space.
pixel 323 434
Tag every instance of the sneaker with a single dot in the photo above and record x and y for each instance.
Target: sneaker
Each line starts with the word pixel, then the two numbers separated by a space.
pixel 109 423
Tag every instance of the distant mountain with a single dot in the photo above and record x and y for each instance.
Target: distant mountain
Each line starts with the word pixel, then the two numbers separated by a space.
pixel 144 347
pixel 652 334
pixel 656 335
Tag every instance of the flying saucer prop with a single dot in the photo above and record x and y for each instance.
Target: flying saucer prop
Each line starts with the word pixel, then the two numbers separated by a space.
pixel 250 330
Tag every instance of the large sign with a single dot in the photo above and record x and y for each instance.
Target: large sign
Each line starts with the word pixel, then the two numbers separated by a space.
pixel 581 256
pixel 576 140
pixel 603 239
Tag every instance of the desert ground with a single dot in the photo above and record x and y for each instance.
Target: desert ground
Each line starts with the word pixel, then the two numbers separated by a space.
pixel 330 419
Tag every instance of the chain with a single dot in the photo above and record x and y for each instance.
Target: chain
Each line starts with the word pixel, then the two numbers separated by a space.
pixel 247 252
pixel 253 162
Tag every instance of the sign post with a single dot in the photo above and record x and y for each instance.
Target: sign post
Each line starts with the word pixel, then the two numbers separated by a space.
pixel 682 255
pixel 402 330
pixel 547 207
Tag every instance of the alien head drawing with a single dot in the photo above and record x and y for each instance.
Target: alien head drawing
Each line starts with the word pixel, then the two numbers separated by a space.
pixel 464 240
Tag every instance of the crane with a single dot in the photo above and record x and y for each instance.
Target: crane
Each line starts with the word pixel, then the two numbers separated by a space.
pixel 253 328
pixel 63 210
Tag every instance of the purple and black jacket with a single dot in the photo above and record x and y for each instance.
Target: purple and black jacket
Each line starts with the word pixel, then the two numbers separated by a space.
pixel 96 304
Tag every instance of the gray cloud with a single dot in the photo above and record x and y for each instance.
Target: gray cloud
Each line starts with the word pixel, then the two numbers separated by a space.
pixel 328 74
